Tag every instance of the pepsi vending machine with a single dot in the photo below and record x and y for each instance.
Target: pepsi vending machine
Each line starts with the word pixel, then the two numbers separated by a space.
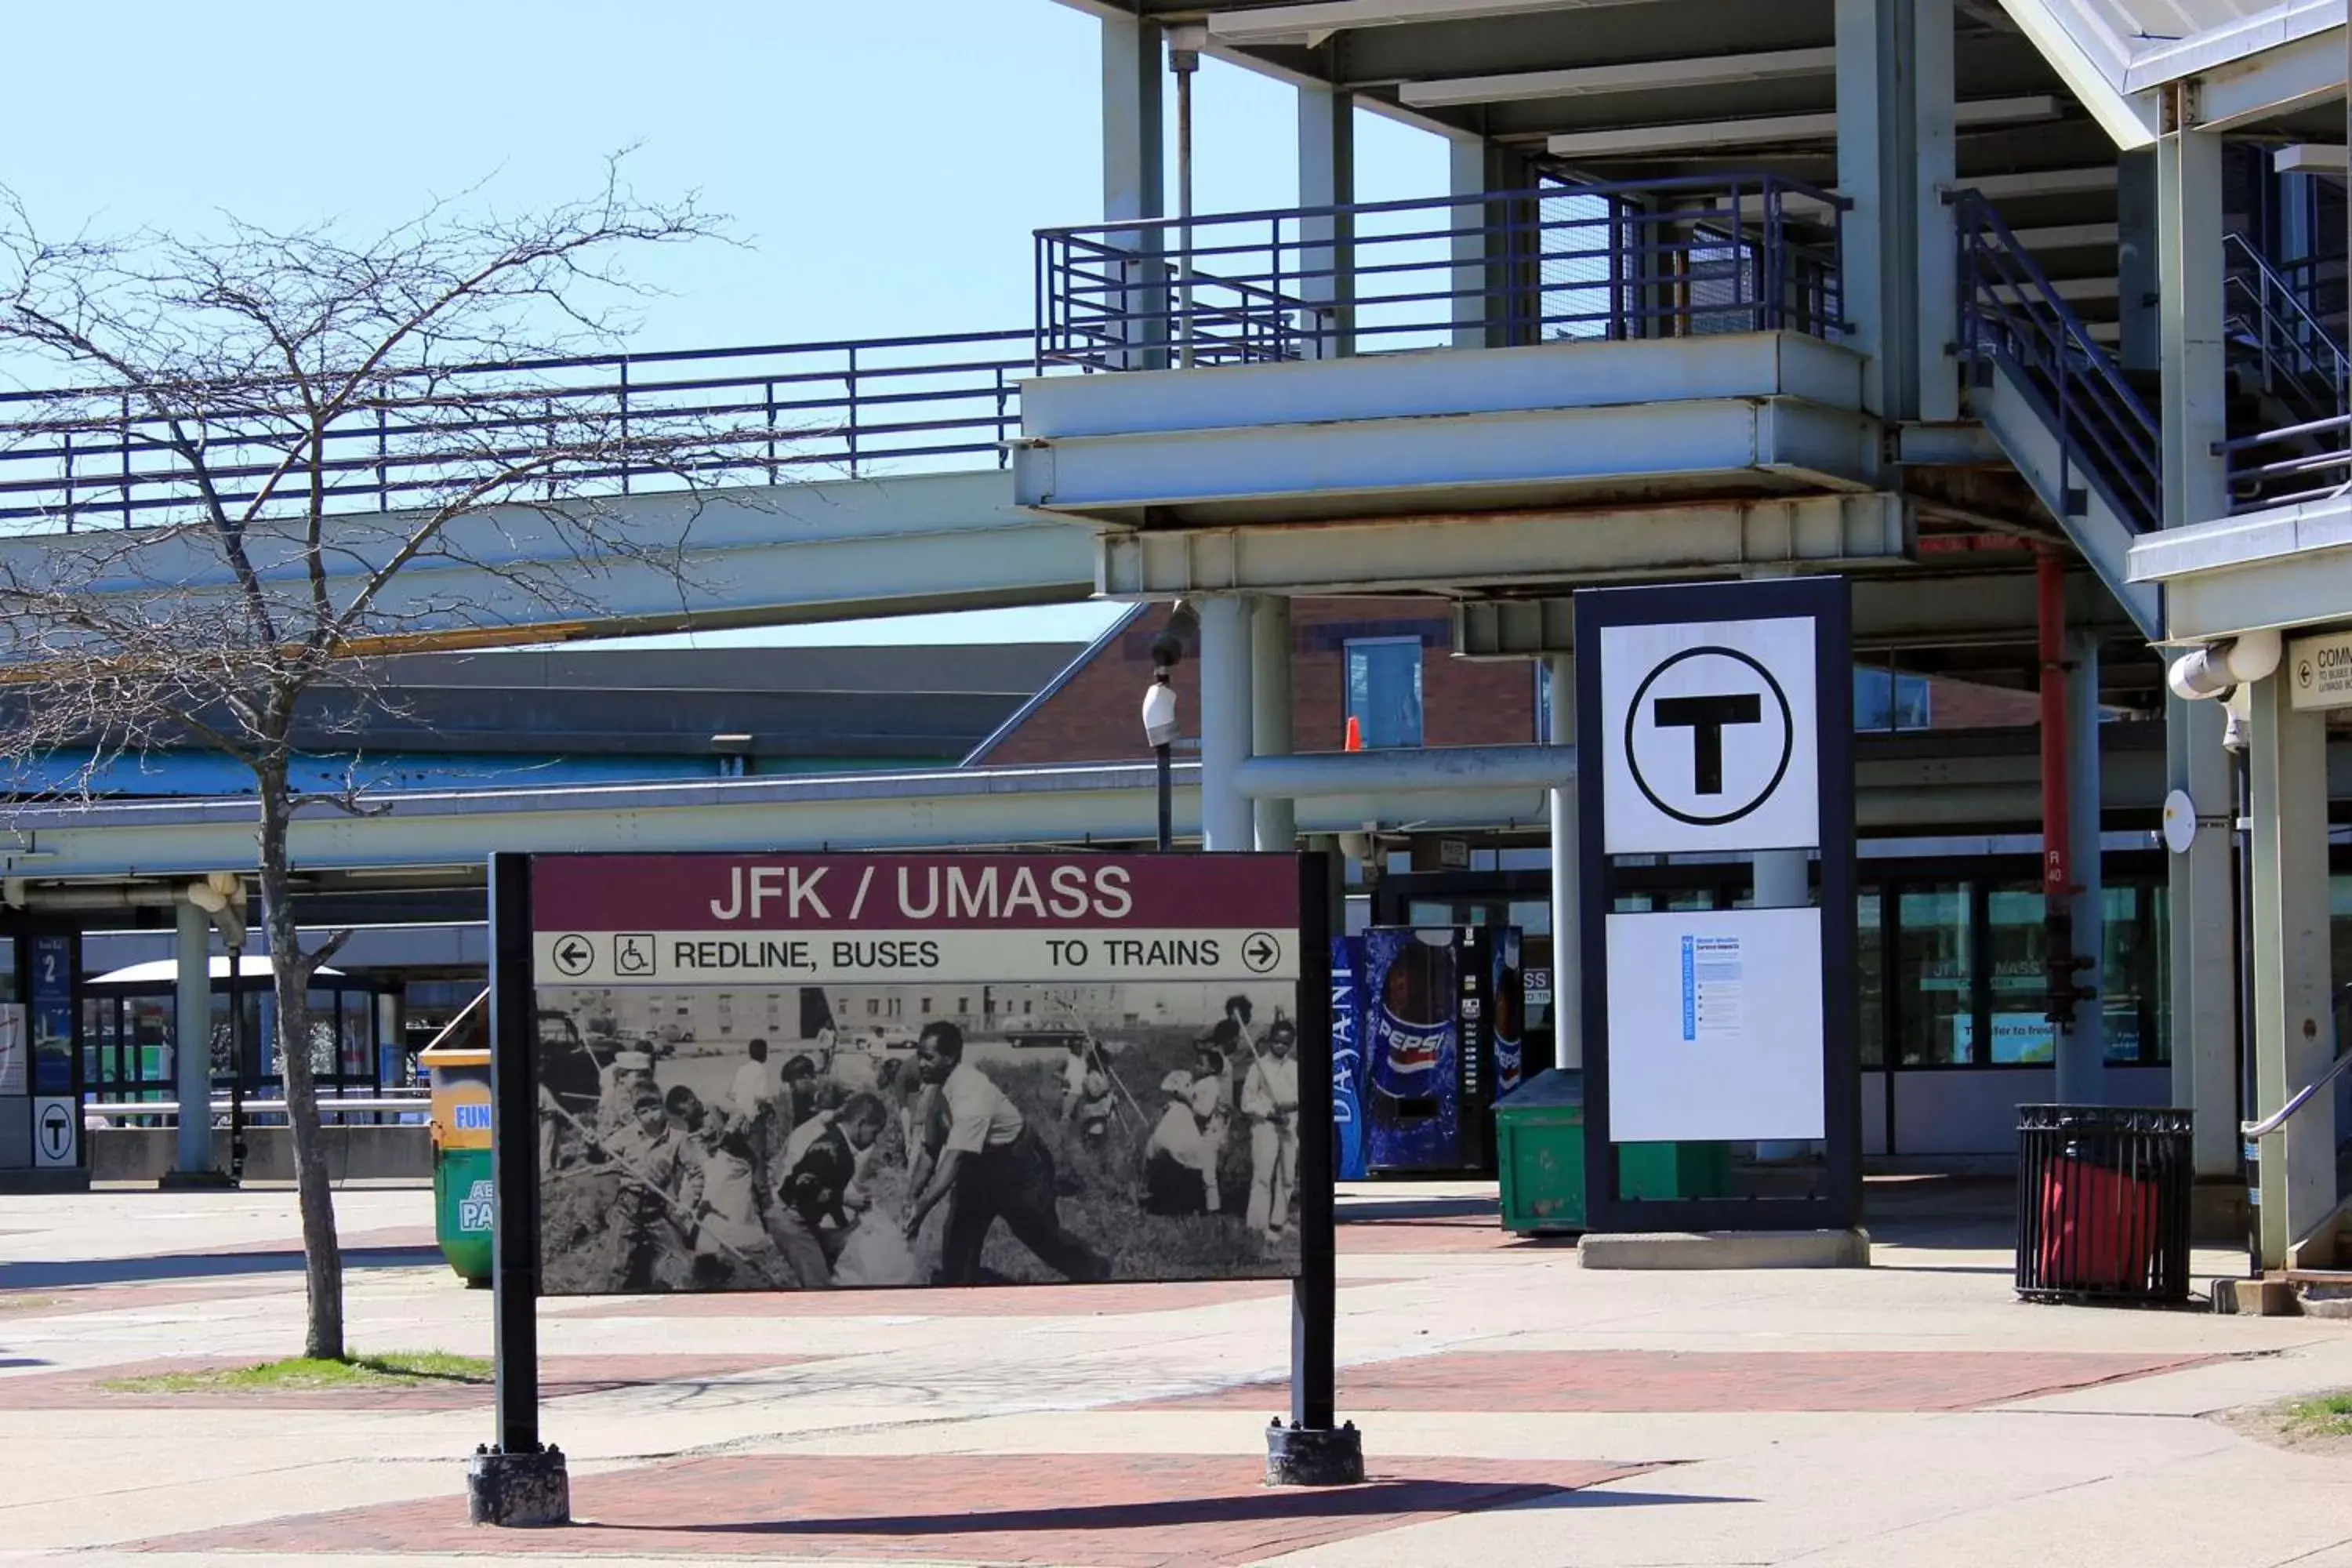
pixel 1437 1022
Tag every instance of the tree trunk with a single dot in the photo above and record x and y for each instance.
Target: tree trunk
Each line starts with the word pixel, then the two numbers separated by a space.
pixel 322 1258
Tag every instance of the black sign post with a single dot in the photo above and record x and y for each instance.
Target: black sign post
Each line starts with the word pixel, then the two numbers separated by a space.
pixel 1313 1450
pixel 521 1482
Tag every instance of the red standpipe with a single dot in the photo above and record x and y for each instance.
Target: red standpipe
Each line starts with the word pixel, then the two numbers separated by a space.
pixel 2049 603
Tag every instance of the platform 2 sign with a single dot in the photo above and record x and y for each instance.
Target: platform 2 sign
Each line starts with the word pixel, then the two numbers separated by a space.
pixel 833 1071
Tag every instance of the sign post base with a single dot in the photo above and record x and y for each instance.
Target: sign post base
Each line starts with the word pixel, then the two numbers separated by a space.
pixel 1313 1456
pixel 518 1490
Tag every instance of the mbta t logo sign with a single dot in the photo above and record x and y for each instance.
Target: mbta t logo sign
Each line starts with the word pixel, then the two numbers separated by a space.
pixel 1709 736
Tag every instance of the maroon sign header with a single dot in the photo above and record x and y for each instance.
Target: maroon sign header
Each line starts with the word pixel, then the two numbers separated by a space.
pixel 906 893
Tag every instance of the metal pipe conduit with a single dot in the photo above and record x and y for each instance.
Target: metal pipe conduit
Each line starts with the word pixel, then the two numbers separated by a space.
pixel 1317 773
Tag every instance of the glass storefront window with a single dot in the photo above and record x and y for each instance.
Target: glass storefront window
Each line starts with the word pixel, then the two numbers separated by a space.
pixel 1935 981
pixel 1870 980
pixel 2020 943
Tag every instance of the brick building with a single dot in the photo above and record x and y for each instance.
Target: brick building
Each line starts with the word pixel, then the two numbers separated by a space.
pixel 1390 662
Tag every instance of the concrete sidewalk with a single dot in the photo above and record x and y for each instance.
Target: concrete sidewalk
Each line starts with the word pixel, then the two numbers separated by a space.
pixel 1513 1406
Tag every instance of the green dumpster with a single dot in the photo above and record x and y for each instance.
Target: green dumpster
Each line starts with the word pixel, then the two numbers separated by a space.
pixel 1540 1156
pixel 461 1158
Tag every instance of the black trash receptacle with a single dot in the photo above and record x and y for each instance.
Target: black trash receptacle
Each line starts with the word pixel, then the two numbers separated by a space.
pixel 2103 1203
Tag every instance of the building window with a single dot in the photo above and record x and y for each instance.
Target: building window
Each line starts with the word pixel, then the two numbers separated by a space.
pixel 1384 690
pixel 1885 699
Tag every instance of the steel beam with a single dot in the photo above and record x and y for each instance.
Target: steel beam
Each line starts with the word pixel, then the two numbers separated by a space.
pixel 1495 549
pixel 1936 118
pixel 749 556
pixel 1271 690
pixel 1310 775
pixel 1226 822
pixel 1639 75
pixel 1877 163
pixel 2289 566
pixel 2201 999
pixel 1895 610
pixel 2195 411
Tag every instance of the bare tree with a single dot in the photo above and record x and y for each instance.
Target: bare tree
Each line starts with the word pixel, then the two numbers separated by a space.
pixel 282 452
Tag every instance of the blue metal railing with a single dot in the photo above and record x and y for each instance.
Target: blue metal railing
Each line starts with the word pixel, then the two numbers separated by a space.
pixel 2292 354
pixel 1657 258
pixel 2011 314
pixel 2299 362
pixel 101 457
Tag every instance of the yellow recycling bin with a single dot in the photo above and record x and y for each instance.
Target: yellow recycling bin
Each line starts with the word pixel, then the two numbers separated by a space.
pixel 461 1157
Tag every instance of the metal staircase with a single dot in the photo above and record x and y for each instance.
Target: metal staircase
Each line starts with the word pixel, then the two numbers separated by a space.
pixel 2078 433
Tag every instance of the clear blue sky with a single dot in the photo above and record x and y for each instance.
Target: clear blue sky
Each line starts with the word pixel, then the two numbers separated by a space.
pixel 884 161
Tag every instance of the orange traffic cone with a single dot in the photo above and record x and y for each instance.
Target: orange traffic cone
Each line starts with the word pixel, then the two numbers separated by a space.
pixel 1355 741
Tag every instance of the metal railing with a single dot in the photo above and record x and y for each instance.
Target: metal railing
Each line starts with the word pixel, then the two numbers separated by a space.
pixel 1657 258
pixel 2012 314
pixel 2293 357
pixel 88 458
pixel 2303 368
pixel 106 1113
pixel 2310 461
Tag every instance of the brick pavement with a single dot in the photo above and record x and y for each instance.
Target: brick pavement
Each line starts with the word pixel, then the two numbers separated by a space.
pixel 75 1299
pixel 559 1377
pixel 1452 1234
pixel 1707 1382
pixel 1111 1511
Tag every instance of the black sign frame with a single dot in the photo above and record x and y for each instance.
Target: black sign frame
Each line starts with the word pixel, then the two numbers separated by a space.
pixel 1836 1205
pixel 515 1176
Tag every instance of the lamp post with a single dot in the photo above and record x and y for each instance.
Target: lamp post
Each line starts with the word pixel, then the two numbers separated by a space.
pixel 1159 729
pixel 1159 724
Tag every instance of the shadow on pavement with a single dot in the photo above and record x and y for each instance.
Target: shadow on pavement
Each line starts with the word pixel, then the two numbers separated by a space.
pixel 40 1275
pixel 1387 1496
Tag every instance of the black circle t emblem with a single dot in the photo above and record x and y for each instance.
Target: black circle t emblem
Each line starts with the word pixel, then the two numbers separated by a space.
pixel 1706 717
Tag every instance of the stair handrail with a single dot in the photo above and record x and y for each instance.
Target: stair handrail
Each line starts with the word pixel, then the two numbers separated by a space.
pixel 2009 307
pixel 2289 305
pixel 2295 1102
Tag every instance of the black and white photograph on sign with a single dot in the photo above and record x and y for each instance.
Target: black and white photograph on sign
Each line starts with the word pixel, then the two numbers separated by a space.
pixel 811 1137
pixel 1710 736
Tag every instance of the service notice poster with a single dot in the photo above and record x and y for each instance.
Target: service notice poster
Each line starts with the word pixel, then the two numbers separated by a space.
pixel 814 1071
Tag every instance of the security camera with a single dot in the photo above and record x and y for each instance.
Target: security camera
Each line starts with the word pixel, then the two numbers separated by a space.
pixel 2217 669
pixel 1184 628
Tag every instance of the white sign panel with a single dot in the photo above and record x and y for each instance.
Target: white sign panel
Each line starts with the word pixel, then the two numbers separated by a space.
pixel 2320 670
pixel 52 1130
pixel 1715 1026
pixel 913 955
pixel 1709 737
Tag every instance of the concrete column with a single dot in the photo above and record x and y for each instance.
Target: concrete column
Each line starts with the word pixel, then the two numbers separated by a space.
pixel 1937 295
pixel 1482 274
pixel 2174 192
pixel 2083 1051
pixel 1277 821
pixel 1227 821
pixel 1877 164
pixel 2139 269
pixel 2195 411
pixel 1327 178
pixel 2294 1030
pixel 192 1042
pixel 1566 906
pixel 1134 170
pixel 2201 960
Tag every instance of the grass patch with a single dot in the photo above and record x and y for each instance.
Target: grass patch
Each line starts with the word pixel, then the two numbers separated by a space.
pixel 2329 1415
pixel 27 1303
pixel 397 1369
